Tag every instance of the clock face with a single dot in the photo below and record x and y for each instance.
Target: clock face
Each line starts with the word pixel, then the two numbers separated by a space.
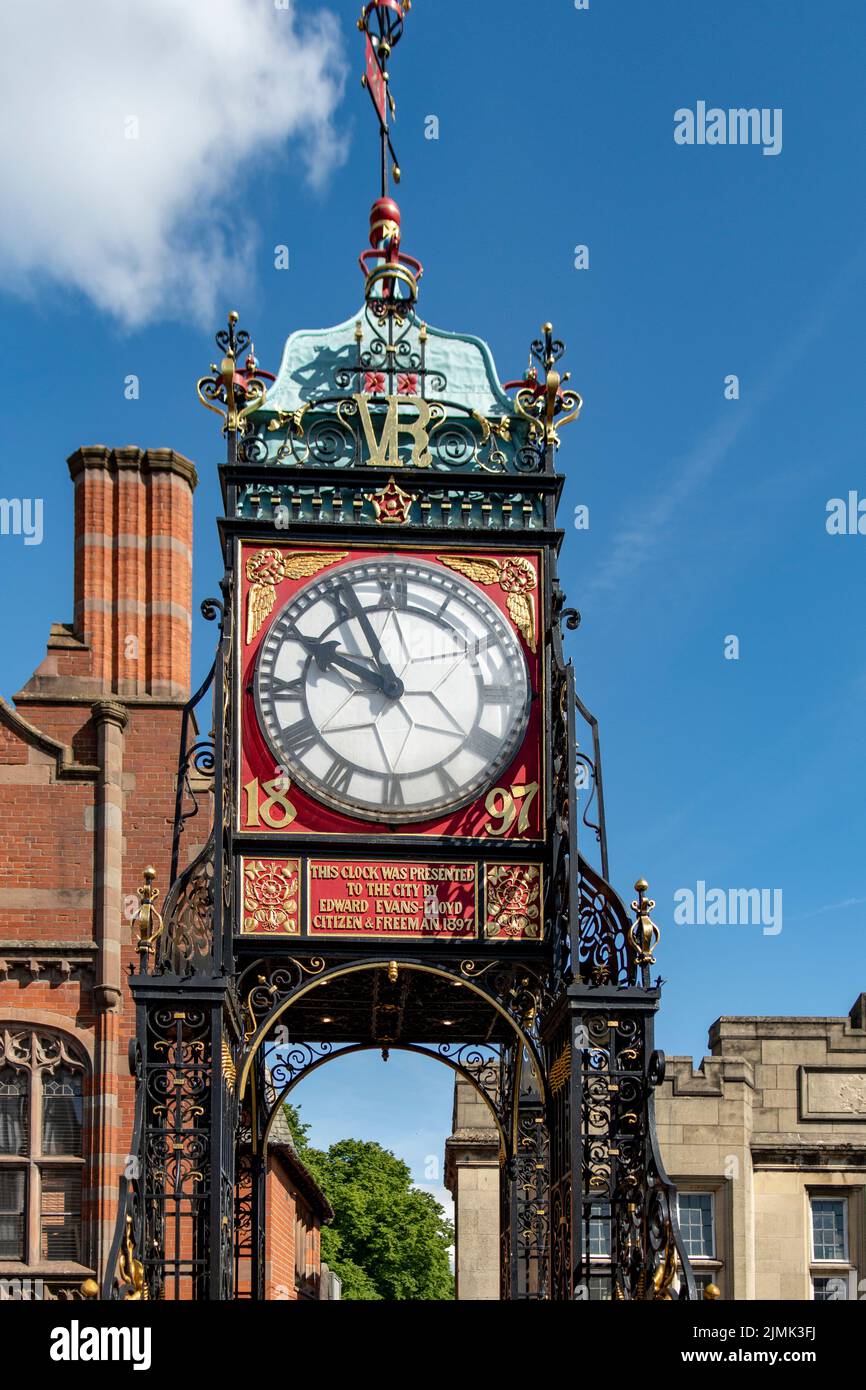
pixel 392 690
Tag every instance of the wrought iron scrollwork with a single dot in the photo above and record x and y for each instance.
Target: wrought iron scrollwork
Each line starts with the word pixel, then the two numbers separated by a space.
pixel 197 758
pixel 186 943
pixel 604 957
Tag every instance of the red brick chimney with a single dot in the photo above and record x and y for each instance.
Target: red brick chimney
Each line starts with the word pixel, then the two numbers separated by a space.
pixel 130 636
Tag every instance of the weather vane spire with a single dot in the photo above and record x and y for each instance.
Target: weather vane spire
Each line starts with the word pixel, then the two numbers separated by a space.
pixel 391 277
pixel 381 23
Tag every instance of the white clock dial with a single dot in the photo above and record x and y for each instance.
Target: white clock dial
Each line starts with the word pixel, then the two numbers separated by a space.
pixel 392 690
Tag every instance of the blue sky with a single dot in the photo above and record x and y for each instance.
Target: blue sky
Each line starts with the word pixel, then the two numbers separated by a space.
pixel 707 515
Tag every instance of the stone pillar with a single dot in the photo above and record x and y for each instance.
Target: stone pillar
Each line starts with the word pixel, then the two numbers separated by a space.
pixel 472 1177
pixel 111 720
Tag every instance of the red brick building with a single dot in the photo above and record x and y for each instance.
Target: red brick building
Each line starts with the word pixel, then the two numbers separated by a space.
pixel 88 759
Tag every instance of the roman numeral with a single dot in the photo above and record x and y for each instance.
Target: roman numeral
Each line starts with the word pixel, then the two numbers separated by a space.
pixel 449 786
pixel 299 738
pixel 280 687
pixel 393 792
pixel 486 745
pixel 395 591
pixel 335 599
pixel 339 776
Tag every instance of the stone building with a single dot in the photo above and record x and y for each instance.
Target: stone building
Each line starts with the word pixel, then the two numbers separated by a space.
pixel 766 1143
pixel 88 764
pixel 472 1178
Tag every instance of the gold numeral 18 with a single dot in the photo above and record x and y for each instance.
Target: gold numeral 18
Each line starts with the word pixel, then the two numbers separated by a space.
pixel 275 798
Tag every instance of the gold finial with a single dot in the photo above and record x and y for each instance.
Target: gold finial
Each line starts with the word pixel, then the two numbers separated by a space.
pixel 665 1274
pixel 89 1289
pixel 131 1270
pixel 644 935
pixel 712 1291
pixel 230 394
pixel 146 918
pixel 392 972
pixel 544 403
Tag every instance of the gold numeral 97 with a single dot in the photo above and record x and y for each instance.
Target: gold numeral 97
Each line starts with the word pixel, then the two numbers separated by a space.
pixel 501 806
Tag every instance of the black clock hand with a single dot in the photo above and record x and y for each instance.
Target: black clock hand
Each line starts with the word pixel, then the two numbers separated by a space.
pixel 325 654
pixel 358 611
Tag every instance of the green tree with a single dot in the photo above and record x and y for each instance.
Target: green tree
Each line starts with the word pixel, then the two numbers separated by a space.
pixel 388 1240
pixel 298 1128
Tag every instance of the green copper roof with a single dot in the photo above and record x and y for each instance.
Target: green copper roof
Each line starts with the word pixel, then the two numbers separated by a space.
pixel 460 369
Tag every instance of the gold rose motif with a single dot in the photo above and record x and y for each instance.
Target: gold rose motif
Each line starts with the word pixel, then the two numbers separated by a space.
pixel 271 896
pixel 268 568
pixel 513 901
pixel 515 577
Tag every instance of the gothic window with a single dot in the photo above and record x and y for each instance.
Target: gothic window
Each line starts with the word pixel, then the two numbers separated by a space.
pixel 41 1147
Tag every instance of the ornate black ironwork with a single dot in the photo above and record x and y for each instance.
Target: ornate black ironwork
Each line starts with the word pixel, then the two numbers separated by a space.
pixel 196 757
pixel 563 1048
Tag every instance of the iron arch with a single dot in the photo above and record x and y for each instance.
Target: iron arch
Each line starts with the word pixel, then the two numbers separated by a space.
pixel 418 1050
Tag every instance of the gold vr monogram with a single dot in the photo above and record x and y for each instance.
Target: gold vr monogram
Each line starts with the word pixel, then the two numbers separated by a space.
pixel 384 450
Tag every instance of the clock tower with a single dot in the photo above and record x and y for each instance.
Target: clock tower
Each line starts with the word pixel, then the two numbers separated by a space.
pixel 397 781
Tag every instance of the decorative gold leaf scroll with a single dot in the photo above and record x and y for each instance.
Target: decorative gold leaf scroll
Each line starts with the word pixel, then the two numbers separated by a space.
pixel 515 577
pixel 268 568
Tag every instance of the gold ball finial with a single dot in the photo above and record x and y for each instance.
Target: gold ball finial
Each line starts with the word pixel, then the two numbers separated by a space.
pixel 712 1291
pixel 641 886
pixel 89 1289
pixel 547 328
pixel 233 316
pixel 149 873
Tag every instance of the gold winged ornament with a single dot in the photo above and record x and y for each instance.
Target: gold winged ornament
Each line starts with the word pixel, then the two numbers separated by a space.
pixel 268 568
pixel 517 580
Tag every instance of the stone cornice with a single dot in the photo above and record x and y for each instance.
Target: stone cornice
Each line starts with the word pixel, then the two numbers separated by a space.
pixel 810 1154
pixel 110 712
pixel 131 456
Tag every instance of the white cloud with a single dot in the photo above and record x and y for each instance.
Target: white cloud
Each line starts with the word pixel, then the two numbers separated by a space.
pixel 157 225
